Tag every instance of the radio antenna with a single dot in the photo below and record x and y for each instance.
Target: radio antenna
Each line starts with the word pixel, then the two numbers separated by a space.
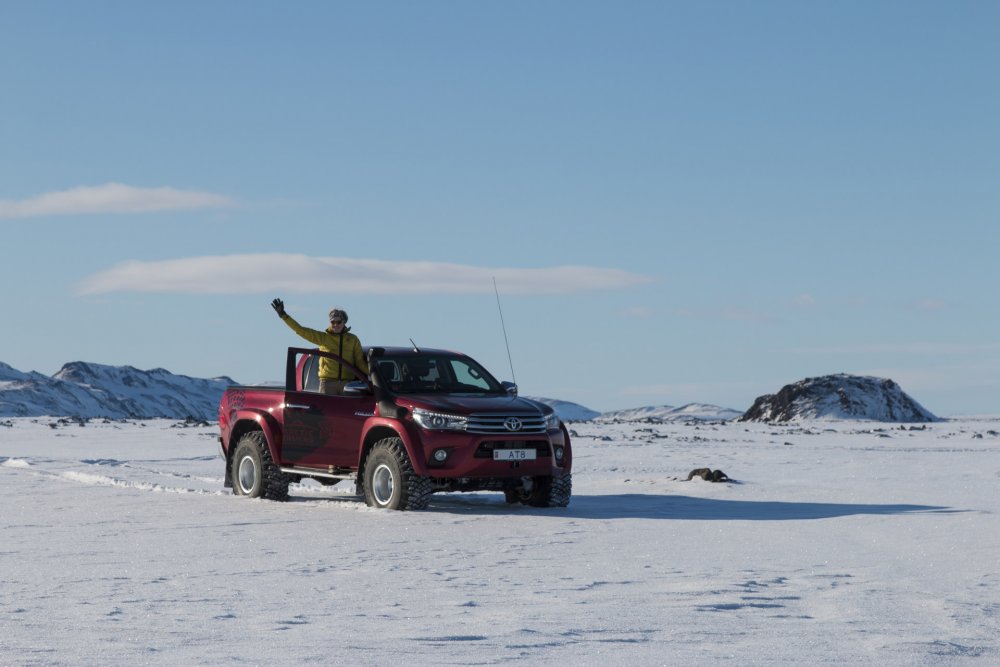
pixel 504 327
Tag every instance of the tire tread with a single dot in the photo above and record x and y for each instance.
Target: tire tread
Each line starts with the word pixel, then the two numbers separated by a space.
pixel 416 489
pixel 274 483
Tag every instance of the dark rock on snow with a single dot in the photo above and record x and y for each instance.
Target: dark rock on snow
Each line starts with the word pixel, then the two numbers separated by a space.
pixel 839 396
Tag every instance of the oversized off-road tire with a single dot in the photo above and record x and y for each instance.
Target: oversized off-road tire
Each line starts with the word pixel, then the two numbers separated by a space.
pixel 547 491
pixel 390 481
pixel 560 489
pixel 254 473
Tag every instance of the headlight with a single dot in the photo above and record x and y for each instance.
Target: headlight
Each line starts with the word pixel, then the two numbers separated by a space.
pixel 436 421
pixel 551 422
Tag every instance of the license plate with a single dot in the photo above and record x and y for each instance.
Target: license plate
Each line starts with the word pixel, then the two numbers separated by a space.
pixel 514 454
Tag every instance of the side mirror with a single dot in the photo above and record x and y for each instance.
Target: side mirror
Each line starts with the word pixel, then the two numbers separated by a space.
pixel 509 387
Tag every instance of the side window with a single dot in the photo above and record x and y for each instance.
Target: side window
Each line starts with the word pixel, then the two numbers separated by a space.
pixel 389 371
pixel 310 374
pixel 467 375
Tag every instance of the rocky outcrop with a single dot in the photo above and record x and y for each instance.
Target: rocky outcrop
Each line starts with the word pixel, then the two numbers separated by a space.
pixel 839 396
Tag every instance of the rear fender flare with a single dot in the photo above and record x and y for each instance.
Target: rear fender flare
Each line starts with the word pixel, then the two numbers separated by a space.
pixel 255 420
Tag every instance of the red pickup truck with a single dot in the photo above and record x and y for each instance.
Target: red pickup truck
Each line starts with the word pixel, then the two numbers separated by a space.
pixel 422 421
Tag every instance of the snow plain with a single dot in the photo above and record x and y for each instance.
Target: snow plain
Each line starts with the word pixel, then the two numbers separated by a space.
pixel 837 543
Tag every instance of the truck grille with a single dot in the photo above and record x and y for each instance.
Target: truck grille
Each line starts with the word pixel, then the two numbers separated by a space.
pixel 508 424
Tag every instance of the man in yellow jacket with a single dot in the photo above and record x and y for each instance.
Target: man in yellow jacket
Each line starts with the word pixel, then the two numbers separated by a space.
pixel 337 339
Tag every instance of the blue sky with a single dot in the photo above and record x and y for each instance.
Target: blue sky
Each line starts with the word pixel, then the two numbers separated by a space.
pixel 680 201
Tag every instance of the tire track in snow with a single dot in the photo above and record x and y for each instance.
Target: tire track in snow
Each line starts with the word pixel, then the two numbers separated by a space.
pixel 33 466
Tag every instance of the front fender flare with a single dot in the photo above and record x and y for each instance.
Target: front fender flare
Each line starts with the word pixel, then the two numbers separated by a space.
pixel 378 428
pixel 567 448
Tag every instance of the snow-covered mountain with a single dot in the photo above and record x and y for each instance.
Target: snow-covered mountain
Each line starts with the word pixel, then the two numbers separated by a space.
pixel 839 396
pixel 574 412
pixel 83 389
pixel 11 374
pixel 667 413
pixel 568 412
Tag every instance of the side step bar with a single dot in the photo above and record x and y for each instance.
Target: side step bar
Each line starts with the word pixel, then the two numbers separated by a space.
pixel 315 472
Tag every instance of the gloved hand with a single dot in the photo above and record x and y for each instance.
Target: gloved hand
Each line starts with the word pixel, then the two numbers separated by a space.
pixel 279 307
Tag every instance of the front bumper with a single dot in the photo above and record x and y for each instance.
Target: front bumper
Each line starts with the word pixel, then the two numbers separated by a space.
pixel 472 455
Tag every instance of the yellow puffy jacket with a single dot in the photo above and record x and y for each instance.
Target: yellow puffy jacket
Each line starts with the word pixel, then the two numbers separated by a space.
pixel 343 344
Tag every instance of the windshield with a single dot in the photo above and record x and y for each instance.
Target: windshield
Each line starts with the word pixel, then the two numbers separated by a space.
pixel 435 374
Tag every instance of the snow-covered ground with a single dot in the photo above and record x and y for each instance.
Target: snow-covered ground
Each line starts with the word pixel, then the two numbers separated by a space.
pixel 838 543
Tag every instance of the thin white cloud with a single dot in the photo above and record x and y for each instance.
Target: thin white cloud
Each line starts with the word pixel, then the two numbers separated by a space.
pixel 639 312
pixel 913 348
pixel 931 305
pixel 803 301
pixel 110 198
pixel 725 314
pixel 286 273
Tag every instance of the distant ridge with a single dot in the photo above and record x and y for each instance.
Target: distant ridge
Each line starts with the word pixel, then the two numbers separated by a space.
pixel 87 390
pixel 82 389
pixel 839 396
pixel 574 412
pixel 667 413
pixel 568 412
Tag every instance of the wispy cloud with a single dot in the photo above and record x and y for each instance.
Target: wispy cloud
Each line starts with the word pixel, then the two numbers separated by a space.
pixel 110 198
pixel 287 273
pixel 931 305
pixel 803 301
pixel 726 314
pixel 639 312
pixel 914 348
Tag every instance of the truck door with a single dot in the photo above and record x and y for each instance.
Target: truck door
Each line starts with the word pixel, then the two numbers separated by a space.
pixel 320 431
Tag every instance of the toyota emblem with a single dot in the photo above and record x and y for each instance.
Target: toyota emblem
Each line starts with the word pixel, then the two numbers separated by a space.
pixel 512 424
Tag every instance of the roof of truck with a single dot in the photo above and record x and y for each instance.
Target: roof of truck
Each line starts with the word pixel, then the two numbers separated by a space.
pixel 401 351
